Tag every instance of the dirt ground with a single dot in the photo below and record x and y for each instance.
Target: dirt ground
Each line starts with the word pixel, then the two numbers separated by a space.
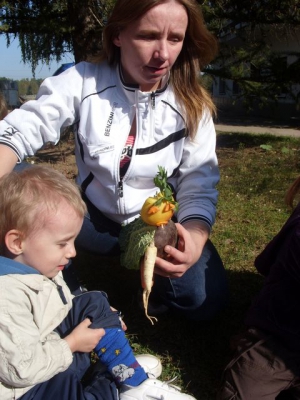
pixel 61 156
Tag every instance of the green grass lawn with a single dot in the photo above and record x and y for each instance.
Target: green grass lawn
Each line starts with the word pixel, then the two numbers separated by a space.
pixel 255 171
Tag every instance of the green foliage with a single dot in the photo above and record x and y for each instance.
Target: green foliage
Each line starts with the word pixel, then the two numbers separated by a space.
pixel 266 147
pixel 49 29
pixel 29 86
pixel 165 190
pixel 254 180
pixel 247 32
pixel 42 27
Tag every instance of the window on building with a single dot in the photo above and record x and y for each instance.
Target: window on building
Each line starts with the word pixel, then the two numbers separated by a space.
pixel 235 88
pixel 222 86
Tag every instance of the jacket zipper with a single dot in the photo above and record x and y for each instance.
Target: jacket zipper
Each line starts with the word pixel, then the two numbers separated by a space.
pixel 152 99
pixel 120 188
pixel 120 183
pixel 152 102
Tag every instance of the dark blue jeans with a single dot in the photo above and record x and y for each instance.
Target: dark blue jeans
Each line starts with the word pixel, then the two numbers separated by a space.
pixel 199 294
pixel 67 385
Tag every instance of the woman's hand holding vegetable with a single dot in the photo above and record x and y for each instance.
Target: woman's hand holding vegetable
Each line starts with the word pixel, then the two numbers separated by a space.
pixel 149 241
pixel 192 238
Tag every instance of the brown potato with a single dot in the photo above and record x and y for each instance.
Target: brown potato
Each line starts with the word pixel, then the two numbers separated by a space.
pixel 165 234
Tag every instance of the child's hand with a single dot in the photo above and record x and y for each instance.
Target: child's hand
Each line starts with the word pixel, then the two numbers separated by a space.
pixel 83 338
pixel 123 325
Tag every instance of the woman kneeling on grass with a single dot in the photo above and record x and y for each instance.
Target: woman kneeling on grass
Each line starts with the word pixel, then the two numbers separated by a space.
pixel 138 107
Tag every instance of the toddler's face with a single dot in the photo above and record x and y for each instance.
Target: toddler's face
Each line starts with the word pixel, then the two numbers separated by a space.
pixel 50 248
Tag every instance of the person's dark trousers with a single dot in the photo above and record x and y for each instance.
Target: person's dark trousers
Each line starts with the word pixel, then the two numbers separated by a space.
pixel 67 385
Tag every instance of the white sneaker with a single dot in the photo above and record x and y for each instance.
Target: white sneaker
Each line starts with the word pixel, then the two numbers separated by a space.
pixel 153 389
pixel 151 364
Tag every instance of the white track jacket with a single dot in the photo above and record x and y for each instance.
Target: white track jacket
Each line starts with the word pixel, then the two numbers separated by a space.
pixel 31 307
pixel 102 108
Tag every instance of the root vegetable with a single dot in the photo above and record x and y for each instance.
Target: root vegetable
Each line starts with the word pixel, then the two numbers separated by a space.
pixel 147 268
pixel 165 235
pixel 146 237
pixel 158 211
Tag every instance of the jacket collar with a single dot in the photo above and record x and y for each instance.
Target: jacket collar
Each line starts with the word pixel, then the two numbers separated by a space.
pixel 131 90
pixel 8 266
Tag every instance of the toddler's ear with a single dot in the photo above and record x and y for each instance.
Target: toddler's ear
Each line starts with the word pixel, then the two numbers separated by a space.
pixel 14 241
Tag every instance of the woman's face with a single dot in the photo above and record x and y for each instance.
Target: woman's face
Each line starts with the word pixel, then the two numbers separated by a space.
pixel 150 45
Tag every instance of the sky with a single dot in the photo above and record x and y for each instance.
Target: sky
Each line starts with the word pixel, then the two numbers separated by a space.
pixel 12 67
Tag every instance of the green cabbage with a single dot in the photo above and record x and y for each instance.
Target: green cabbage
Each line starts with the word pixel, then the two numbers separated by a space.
pixel 134 239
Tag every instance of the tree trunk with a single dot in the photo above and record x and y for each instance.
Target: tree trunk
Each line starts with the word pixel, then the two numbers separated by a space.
pixel 86 20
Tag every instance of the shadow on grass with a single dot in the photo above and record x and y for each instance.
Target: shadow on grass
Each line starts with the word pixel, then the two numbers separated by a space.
pixel 226 118
pixel 198 351
pixel 236 140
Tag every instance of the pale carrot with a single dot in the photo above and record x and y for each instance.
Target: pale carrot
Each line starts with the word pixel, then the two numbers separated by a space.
pixel 147 271
pixel 156 211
